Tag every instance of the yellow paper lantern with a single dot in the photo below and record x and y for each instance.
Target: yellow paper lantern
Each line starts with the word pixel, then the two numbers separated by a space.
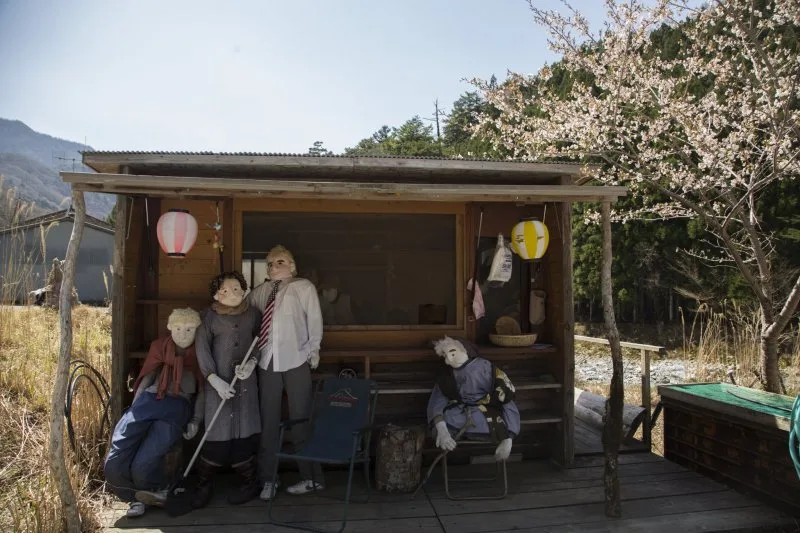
pixel 529 239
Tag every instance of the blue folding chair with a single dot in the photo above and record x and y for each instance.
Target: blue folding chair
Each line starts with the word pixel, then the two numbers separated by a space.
pixel 341 429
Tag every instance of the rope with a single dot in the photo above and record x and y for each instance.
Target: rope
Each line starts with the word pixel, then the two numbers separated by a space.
pixel 794 437
pixel 83 371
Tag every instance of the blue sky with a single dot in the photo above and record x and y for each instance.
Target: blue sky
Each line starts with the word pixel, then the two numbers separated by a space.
pixel 256 75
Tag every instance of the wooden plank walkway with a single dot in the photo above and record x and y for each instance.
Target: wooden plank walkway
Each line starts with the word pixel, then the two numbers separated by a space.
pixel 658 496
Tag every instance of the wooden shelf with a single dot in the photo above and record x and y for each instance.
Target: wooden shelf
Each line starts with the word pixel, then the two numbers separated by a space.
pixel 176 301
pixel 540 419
pixel 491 352
pixel 415 388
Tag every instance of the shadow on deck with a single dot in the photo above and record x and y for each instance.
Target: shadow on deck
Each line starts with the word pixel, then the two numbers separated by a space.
pixel 657 496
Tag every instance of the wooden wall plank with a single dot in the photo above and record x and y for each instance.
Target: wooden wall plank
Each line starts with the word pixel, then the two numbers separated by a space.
pixel 189 278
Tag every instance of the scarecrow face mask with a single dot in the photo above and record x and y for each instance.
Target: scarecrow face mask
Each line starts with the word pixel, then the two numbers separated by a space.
pixel 183 334
pixel 280 267
pixel 452 351
pixel 230 293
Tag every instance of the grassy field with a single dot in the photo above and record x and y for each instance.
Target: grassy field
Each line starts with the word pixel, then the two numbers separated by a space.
pixel 29 340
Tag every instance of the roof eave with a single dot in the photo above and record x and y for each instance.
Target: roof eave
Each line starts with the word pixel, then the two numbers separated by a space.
pixel 185 186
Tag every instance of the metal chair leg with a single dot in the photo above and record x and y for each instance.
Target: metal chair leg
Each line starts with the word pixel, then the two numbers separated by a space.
pixel 367 480
pixel 501 468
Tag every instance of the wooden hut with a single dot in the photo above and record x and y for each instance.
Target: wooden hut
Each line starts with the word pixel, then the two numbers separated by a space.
pixel 395 236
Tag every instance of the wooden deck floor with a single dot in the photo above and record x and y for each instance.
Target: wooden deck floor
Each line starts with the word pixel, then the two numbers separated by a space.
pixel 658 496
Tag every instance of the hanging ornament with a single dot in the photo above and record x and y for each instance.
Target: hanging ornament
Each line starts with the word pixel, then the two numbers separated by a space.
pixel 216 242
pixel 529 239
pixel 177 232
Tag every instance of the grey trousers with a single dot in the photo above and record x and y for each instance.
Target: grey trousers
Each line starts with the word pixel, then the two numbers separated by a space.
pixel 271 384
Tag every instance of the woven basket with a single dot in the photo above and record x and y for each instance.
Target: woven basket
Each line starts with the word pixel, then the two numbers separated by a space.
pixel 512 341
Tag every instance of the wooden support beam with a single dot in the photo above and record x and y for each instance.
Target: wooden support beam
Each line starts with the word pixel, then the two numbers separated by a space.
pixel 182 186
pixel 566 325
pixel 646 429
pixel 661 350
pixel 119 357
pixel 58 466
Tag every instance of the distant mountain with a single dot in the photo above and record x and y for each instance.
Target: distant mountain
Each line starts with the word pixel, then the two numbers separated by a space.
pixel 30 162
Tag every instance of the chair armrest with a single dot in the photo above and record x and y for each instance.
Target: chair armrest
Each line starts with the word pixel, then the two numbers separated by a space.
pixel 292 422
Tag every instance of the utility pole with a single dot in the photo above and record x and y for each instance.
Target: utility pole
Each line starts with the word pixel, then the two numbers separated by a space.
pixel 436 114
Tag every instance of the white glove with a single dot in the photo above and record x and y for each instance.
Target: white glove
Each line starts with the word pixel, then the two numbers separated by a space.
pixel 503 450
pixel 244 370
pixel 313 359
pixel 443 439
pixel 223 388
pixel 191 429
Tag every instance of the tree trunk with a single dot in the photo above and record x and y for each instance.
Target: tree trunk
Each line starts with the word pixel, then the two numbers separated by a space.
pixel 770 372
pixel 612 429
pixel 118 366
pixel 58 466
pixel 398 461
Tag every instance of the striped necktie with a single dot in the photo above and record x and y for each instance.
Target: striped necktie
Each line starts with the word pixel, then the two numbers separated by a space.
pixel 266 319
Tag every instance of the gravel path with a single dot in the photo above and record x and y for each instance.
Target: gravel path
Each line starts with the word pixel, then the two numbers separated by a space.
pixel 593 369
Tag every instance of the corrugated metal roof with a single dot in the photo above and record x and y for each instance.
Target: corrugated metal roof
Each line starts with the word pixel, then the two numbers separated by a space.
pixel 313 156
pixel 58 216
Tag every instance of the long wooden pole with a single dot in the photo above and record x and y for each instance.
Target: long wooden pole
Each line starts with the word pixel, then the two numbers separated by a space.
pixel 612 427
pixel 118 305
pixel 58 466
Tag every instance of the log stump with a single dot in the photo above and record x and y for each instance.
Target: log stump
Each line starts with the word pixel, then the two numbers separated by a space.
pixel 398 465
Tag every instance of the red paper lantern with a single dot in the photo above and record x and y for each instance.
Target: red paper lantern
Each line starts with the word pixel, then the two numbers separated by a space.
pixel 177 231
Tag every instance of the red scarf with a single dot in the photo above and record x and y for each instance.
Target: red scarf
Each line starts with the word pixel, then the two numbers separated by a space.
pixel 163 355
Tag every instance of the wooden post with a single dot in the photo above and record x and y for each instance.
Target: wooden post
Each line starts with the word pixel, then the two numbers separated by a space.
pixel 58 466
pixel 118 349
pixel 612 429
pixel 646 429
pixel 567 336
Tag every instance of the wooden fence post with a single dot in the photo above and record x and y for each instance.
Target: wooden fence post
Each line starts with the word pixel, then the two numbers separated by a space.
pixel 646 429
pixel 58 466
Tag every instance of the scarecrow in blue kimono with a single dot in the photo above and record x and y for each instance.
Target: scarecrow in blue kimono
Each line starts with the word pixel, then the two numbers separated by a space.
pixel 472 397
pixel 160 414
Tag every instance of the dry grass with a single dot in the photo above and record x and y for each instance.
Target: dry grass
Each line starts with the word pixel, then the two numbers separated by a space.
pixel 728 339
pixel 29 345
pixel 29 340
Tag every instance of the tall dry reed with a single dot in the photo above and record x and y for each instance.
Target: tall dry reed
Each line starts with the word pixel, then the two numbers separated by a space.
pixel 29 338
pixel 29 346
pixel 724 343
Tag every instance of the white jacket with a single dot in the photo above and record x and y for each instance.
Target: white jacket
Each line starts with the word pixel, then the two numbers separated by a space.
pixel 296 329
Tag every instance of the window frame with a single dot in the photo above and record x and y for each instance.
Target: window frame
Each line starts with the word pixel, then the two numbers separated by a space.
pixel 371 335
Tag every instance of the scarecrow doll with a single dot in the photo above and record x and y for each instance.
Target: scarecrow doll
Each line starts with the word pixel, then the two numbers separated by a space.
pixel 289 341
pixel 161 412
pixel 474 395
pixel 227 331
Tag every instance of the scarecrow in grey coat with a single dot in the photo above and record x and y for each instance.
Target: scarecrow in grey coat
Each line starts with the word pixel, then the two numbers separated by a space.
pixel 472 392
pixel 228 328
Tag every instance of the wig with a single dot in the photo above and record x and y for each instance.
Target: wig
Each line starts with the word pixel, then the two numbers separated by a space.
pixel 217 282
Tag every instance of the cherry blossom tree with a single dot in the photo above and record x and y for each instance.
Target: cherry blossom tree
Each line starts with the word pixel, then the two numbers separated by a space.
pixel 702 135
